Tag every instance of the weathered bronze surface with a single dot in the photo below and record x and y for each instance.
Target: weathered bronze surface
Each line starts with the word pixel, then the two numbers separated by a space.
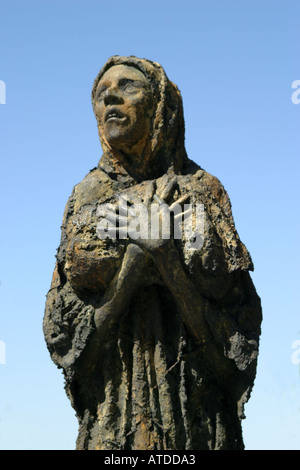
pixel 158 342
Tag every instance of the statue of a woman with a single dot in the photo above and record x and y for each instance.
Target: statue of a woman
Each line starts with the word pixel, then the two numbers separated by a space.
pixel 157 336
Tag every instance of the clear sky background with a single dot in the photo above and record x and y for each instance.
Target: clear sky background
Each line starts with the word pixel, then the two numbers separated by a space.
pixel 234 62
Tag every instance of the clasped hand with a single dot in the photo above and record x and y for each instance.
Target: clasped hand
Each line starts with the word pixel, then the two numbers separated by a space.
pixel 149 224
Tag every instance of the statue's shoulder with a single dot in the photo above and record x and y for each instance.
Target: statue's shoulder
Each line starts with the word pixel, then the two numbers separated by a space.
pixel 206 185
pixel 211 183
pixel 96 187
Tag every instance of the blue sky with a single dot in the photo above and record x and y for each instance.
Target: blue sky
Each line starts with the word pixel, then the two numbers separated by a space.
pixel 234 62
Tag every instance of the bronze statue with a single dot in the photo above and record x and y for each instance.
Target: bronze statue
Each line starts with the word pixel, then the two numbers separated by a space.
pixel 157 337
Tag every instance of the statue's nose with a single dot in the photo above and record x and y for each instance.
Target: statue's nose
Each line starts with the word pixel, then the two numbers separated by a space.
pixel 112 96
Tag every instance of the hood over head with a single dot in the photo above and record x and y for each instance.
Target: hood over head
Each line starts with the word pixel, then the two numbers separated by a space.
pixel 166 150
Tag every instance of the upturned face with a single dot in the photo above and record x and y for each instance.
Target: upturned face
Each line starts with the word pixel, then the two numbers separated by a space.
pixel 124 107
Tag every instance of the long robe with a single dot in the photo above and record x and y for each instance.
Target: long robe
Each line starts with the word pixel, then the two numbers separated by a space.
pixel 143 379
pixel 150 385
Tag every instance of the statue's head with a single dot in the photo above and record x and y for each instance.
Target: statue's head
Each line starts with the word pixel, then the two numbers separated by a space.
pixel 140 116
pixel 124 109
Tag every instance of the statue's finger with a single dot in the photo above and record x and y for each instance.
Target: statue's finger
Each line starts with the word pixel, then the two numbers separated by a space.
pixel 169 189
pixel 180 201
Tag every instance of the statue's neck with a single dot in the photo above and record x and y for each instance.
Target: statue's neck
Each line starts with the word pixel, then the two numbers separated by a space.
pixel 121 166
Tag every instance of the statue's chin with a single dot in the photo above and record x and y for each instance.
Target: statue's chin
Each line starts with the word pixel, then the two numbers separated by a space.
pixel 127 136
pixel 116 138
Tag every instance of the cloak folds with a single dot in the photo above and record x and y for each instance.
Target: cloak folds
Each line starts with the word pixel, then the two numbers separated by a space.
pixel 144 381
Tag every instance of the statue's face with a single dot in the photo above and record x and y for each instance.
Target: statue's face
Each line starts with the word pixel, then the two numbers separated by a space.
pixel 124 107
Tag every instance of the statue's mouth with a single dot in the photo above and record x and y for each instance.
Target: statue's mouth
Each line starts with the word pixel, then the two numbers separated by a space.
pixel 114 114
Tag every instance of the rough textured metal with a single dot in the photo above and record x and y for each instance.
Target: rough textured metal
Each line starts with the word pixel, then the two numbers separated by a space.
pixel 158 343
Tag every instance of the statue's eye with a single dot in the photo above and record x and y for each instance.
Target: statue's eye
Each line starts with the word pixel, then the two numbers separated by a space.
pixel 101 93
pixel 129 87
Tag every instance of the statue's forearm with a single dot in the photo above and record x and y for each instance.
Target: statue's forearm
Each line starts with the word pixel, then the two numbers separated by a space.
pixel 125 283
pixel 191 304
